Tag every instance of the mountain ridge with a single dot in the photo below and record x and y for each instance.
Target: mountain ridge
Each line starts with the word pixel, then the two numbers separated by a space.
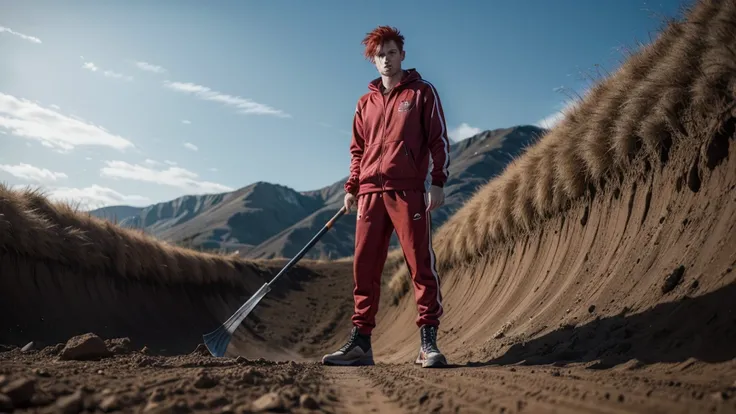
pixel 267 220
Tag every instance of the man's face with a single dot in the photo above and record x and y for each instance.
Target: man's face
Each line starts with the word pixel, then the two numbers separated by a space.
pixel 388 59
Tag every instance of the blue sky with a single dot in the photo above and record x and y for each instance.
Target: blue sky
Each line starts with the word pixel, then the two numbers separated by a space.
pixel 136 102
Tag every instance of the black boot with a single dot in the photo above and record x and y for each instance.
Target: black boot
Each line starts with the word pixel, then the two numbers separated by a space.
pixel 356 351
pixel 429 354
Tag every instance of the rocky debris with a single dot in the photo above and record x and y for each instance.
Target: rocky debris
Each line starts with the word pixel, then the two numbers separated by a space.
pixel 218 401
pixel 250 377
pixel 41 372
pixel 673 279
pixel 502 331
pixel 201 350
pixel 20 391
pixel 241 360
pixel 110 403
pixel 179 406
pixel 308 402
pixel 72 403
pixel 204 381
pixel 145 362
pixel 119 346
pixel 85 347
pixel 694 285
pixel 270 401
pixel 157 403
pixel 6 348
pixel 53 350
pixel 34 381
pixel 157 395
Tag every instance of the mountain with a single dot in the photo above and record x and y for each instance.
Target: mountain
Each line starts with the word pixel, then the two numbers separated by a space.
pixel 265 220
pixel 117 213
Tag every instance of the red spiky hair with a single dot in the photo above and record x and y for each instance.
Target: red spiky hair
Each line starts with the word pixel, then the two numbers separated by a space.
pixel 378 36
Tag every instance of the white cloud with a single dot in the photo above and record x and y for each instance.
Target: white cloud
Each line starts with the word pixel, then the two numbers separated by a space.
pixel 52 129
pixel 172 176
pixel 21 35
pixel 186 121
pixel 90 66
pixel 551 120
pixel 169 162
pixel 213 169
pixel 151 162
pixel 190 146
pixel 95 196
pixel 243 105
pixel 462 132
pixel 150 67
pixel 32 173
pixel 111 74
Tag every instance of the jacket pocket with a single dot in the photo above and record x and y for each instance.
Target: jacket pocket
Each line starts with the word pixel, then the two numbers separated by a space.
pixel 369 163
pixel 410 156
pixel 397 161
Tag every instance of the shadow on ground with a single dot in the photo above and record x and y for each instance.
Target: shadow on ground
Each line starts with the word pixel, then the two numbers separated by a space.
pixel 700 328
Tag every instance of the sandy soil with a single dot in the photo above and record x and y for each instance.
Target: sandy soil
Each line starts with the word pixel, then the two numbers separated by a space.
pixel 136 381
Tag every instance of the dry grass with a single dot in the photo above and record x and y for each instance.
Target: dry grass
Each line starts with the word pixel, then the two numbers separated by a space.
pixel 630 119
pixel 33 227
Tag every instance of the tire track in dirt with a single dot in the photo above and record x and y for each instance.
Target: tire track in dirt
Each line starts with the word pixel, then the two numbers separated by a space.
pixel 356 392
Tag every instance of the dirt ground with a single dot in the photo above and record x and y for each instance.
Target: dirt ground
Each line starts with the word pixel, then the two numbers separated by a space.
pixel 93 374
pixel 136 381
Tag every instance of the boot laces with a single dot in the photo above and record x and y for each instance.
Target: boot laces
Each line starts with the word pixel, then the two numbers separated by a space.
pixel 429 339
pixel 351 341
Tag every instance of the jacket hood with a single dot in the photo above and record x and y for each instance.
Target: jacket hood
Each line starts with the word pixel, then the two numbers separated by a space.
pixel 410 75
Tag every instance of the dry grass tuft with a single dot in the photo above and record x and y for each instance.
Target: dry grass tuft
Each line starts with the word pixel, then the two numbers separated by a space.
pixel 625 124
pixel 523 210
pixel 34 227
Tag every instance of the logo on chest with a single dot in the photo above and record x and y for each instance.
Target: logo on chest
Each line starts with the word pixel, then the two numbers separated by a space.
pixel 406 105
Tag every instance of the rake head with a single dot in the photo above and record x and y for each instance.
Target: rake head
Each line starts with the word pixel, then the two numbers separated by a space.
pixel 218 340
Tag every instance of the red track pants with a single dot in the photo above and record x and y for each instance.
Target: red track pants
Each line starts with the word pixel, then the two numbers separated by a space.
pixel 378 215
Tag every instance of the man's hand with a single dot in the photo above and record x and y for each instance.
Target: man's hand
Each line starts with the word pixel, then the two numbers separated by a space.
pixel 349 201
pixel 436 197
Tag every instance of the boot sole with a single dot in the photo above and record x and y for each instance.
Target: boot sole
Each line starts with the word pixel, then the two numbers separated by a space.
pixel 354 363
pixel 437 362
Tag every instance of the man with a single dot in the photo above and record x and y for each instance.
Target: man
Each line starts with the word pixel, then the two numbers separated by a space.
pixel 399 146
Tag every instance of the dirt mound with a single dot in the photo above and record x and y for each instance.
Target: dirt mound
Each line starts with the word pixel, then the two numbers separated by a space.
pixel 63 273
pixel 634 183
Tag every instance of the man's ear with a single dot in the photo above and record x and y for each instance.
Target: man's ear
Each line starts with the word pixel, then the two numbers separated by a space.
pixel 403 55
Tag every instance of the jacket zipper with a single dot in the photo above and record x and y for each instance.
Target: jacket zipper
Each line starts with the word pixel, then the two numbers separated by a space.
pixel 385 98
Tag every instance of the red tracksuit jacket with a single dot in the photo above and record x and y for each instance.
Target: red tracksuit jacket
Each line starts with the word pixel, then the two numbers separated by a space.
pixel 398 137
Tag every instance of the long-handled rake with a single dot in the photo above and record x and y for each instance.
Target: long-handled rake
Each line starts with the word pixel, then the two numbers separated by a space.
pixel 217 340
